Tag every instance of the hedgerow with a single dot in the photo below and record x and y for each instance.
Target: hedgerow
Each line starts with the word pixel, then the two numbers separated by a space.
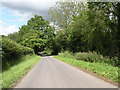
pixel 91 57
pixel 12 52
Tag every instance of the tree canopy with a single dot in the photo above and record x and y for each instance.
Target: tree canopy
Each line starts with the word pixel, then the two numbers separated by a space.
pixel 91 26
pixel 35 34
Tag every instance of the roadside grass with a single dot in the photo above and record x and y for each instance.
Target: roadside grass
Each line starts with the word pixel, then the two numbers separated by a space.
pixel 103 69
pixel 12 75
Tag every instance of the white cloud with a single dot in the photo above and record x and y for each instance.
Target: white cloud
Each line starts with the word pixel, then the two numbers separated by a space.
pixel 23 16
pixel 30 1
pixel 2 23
pixel 24 9
pixel 7 29
pixel 29 7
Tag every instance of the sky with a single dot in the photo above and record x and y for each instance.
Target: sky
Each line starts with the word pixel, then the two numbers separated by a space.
pixel 15 13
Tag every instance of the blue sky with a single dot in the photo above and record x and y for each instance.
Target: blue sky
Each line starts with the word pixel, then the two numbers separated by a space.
pixel 10 18
pixel 9 22
pixel 15 13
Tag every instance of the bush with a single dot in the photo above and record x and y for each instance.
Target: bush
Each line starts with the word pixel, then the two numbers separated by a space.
pixel 12 52
pixel 91 57
pixel 67 54
pixel 115 61
pixel 47 51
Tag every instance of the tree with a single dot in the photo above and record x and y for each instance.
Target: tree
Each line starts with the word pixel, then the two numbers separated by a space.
pixel 63 12
pixel 14 36
pixel 107 25
pixel 95 28
pixel 35 34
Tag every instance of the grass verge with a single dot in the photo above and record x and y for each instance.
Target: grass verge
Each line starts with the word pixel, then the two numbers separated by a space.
pixel 12 75
pixel 102 69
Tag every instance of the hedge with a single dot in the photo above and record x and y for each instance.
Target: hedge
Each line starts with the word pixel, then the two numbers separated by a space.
pixel 12 51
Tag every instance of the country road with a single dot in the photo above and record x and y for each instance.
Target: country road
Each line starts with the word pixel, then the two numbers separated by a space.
pixel 53 73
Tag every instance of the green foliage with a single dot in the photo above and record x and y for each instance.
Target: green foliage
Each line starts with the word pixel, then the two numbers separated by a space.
pixel 84 27
pixel 36 34
pixel 102 69
pixel 63 12
pixel 14 36
pixel 89 57
pixel 66 54
pixel 33 41
pixel 47 51
pixel 95 28
pixel 12 75
pixel 92 57
pixel 12 51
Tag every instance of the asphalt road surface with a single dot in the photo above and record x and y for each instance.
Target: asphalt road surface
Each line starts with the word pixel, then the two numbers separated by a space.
pixel 53 73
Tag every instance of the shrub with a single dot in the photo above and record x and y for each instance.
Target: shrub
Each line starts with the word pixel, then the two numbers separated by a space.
pixel 67 54
pixel 91 57
pixel 47 51
pixel 115 61
pixel 12 52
